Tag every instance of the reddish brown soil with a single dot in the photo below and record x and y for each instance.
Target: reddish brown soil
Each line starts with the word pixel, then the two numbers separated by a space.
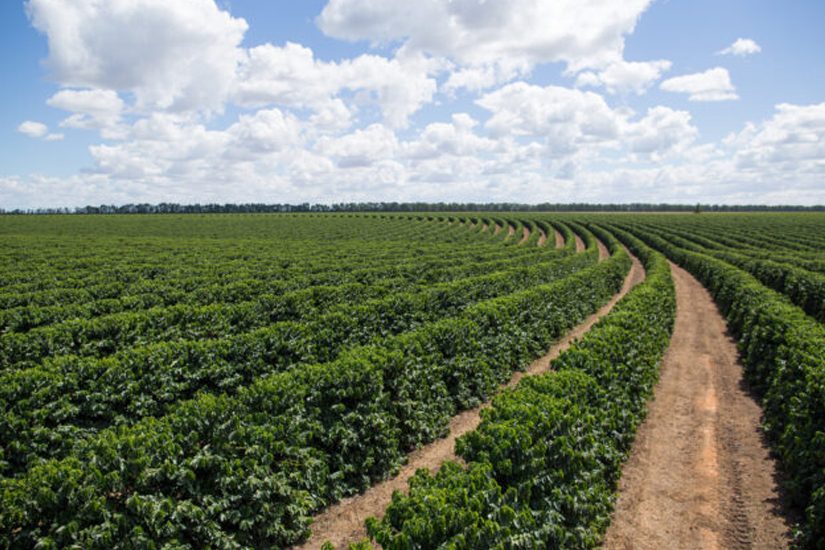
pixel 498 228
pixel 559 240
pixel 510 231
pixel 343 523
pixel 542 238
pixel 699 474
pixel 603 252
pixel 525 236
pixel 579 244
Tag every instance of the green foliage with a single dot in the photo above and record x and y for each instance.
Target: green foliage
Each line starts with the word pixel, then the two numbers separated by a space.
pixel 543 465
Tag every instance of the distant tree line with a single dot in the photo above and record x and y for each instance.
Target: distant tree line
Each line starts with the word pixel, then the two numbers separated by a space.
pixel 250 208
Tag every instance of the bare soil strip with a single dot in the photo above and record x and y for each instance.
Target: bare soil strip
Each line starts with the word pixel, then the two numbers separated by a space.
pixel 498 228
pixel 526 236
pixel 559 239
pixel 542 237
pixel 579 244
pixel 700 474
pixel 343 523
pixel 603 252
pixel 510 231
pixel 484 228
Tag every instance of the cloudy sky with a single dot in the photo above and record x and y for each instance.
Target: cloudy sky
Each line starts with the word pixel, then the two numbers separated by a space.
pixel 116 101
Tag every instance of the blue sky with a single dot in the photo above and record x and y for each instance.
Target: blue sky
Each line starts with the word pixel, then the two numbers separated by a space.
pixel 523 100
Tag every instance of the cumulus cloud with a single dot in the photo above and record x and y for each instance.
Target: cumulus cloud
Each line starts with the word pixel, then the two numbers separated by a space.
pixel 291 76
pixel 363 147
pixel 741 47
pixel 493 42
pixel 39 130
pixel 625 76
pixel 777 160
pixel 33 129
pixel 711 85
pixel 575 123
pixel 474 32
pixel 91 109
pixel 148 75
pixel 170 55
pixel 662 130
pixel 454 138
pixel 793 138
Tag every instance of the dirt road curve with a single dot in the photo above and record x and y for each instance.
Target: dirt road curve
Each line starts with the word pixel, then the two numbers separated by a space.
pixel 699 475
pixel 579 244
pixel 343 523
pixel 559 239
pixel 603 252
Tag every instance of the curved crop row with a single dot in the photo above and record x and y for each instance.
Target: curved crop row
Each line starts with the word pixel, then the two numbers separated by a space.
pixel 543 465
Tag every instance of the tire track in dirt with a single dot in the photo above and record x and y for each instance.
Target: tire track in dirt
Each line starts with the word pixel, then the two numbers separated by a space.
pixel 700 474
pixel 343 523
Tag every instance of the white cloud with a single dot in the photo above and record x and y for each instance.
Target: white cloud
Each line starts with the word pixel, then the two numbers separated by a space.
pixel 171 55
pixel 291 76
pixel 565 116
pixel 662 130
pixel 741 47
pixel 361 147
pixel 792 140
pixel 167 158
pixel 33 129
pixel 493 42
pixel 472 32
pixel 711 85
pixel 39 130
pixel 575 124
pixel 92 109
pixel 625 76
pixel 455 138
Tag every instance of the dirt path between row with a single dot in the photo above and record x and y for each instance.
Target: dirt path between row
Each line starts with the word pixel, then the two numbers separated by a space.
pixel 525 236
pixel 510 231
pixel 603 252
pixel 559 239
pixel 498 228
pixel 579 244
pixel 700 474
pixel 343 523
pixel 542 238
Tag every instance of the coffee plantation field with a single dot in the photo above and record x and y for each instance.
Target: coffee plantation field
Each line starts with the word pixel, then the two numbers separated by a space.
pixel 219 380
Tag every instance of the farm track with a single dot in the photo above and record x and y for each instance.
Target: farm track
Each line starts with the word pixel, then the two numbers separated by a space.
pixel 579 244
pixel 497 229
pixel 526 236
pixel 559 239
pixel 510 231
pixel 343 523
pixel 542 238
pixel 700 474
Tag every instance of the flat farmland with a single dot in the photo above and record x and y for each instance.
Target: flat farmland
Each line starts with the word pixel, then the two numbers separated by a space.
pixel 412 380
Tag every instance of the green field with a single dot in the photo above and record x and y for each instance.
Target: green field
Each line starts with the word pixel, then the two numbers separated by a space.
pixel 192 381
